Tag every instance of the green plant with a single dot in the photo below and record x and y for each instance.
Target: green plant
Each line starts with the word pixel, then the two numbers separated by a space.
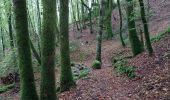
pixel 6 88
pixel 159 36
pixel 83 73
pixel 96 64
pixel 121 68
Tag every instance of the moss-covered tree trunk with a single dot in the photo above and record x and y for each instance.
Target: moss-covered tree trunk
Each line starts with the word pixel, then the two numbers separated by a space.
pixel 99 36
pixel 28 91
pixel 108 22
pixel 48 89
pixel 145 25
pixel 66 79
pixel 10 29
pixel 133 37
pixel 120 15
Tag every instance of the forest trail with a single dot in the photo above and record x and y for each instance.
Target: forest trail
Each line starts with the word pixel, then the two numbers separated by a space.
pixel 152 81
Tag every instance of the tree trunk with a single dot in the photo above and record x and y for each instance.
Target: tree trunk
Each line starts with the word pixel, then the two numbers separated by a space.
pixel 66 79
pixel 133 37
pixel 10 30
pixel 35 52
pixel 99 37
pixel 145 25
pixel 28 91
pixel 120 14
pixel 48 89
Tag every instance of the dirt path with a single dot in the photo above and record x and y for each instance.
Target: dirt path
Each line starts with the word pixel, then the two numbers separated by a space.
pixel 104 84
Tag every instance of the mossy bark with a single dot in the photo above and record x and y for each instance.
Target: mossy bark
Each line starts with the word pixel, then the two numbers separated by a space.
pixel 120 15
pixel 10 30
pixel 145 25
pixel 28 91
pixel 133 37
pixel 99 36
pixel 48 89
pixel 108 21
pixel 66 79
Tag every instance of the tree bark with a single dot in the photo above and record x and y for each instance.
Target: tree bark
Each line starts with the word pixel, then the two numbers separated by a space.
pixel 28 91
pixel 47 87
pixel 99 36
pixel 133 37
pixel 145 25
pixel 120 15
pixel 66 79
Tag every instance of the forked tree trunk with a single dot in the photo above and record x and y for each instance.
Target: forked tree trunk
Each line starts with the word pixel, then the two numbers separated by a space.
pixel 133 37
pixel 145 25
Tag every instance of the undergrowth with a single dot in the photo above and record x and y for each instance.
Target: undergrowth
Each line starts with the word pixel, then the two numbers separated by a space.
pixel 159 36
pixel 6 88
pixel 96 64
pixel 83 73
pixel 122 68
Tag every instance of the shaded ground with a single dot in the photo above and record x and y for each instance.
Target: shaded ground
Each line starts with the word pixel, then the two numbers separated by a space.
pixel 152 82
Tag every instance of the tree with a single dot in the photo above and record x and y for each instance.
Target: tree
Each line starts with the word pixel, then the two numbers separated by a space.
pixel 120 14
pixel 108 22
pixel 10 26
pixel 99 36
pixel 48 89
pixel 28 91
pixel 145 26
pixel 133 37
pixel 90 15
pixel 66 79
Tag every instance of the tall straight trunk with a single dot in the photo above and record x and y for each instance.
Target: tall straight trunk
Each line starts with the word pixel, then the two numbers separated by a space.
pixel 133 37
pixel 74 15
pixel 120 15
pixel 109 7
pixel 90 16
pixel 99 36
pixel 47 87
pixel 78 16
pixel 28 91
pixel 39 26
pixel 66 79
pixel 10 30
pixel 145 25
pixel 2 41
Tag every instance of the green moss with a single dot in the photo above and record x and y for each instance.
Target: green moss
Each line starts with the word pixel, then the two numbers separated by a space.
pixel 83 73
pixel 96 64
pixel 47 87
pixel 66 78
pixel 133 37
pixel 28 91
pixel 6 88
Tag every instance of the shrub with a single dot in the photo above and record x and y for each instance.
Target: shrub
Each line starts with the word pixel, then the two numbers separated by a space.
pixel 121 68
pixel 96 64
pixel 6 88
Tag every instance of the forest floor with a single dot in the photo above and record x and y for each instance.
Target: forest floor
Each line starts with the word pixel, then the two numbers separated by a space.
pixel 152 81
